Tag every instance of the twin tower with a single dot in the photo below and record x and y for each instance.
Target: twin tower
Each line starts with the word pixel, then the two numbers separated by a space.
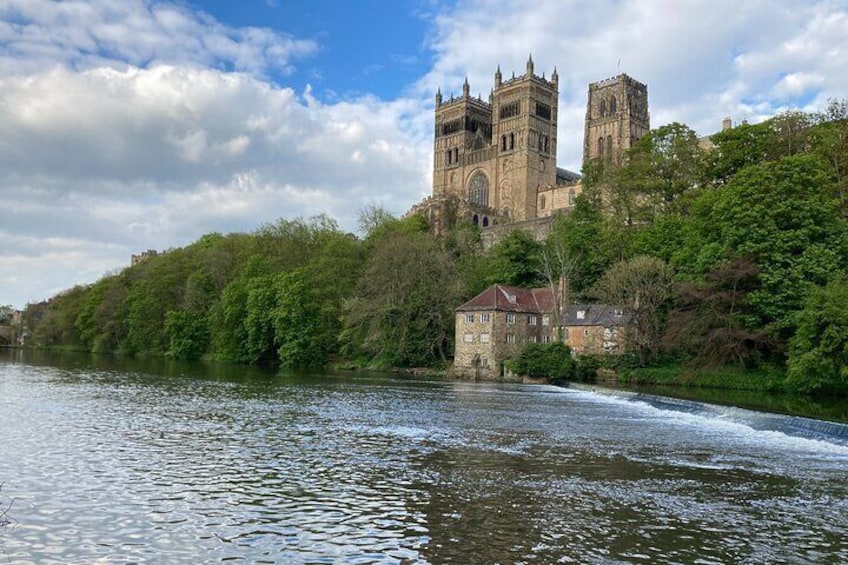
pixel 500 155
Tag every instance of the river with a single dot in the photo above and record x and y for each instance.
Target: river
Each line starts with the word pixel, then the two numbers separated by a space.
pixel 110 461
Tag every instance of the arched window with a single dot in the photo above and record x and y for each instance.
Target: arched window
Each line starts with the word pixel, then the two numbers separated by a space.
pixel 475 220
pixel 542 202
pixel 547 147
pixel 448 155
pixel 612 105
pixel 503 143
pixel 603 108
pixel 600 146
pixel 478 189
pixel 485 221
pixel 456 155
pixel 512 141
pixel 609 144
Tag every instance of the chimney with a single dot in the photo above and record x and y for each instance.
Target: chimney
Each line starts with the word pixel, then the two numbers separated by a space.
pixel 726 124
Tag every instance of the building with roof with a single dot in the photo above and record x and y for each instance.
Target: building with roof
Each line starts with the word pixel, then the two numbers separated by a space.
pixel 494 326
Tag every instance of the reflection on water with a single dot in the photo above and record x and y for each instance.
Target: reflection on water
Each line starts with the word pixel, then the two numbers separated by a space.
pixel 151 463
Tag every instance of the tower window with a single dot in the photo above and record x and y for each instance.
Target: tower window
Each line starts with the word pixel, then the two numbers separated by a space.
pixel 542 202
pixel 609 144
pixel 478 189
pixel 612 105
pixel 547 146
pixel 603 108
pixel 448 156
pixel 600 146
pixel 503 143
pixel 543 110
pixel 509 110
pixel 512 141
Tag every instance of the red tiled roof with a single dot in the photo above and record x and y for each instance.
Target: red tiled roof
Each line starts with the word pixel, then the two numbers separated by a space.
pixel 511 299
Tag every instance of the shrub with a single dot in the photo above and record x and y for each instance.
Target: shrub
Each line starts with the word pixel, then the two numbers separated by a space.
pixel 543 360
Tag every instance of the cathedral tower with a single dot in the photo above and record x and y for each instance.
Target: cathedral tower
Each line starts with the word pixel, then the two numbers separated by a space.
pixel 498 154
pixel 616 117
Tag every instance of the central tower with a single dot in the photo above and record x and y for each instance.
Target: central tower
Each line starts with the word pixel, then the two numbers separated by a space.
pixel 497 154
pixel 616 117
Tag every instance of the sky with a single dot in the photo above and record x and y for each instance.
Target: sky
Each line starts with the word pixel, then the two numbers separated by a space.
pixel 128 125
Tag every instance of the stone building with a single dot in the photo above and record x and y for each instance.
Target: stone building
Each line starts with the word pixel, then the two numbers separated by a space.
pixel 494 161
pixel 616 117
pixel 494 325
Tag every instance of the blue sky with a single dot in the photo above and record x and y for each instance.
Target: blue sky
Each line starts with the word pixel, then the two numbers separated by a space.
pixel 143 124
pixel 366 46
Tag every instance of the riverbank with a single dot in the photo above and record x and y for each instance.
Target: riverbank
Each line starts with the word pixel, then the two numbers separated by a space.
pixel 768 379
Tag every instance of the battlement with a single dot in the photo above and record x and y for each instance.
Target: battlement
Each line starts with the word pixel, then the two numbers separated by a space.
pixel 615 80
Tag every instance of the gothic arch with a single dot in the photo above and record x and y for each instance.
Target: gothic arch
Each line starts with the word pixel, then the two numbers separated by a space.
pixel 612 105
pixel 478 188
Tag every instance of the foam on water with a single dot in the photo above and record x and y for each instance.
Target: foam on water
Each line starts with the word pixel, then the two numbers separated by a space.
pixel 777 430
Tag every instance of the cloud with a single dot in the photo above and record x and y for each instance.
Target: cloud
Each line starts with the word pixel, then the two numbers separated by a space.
pixel 702 60
pixel 39 34
pixel 144 124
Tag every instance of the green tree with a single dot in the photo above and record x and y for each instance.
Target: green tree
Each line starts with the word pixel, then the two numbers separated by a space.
pixel 543 361
pixel 665 164
pixel 780 215
pixel 401 313
pixel 818 351
pixel 642 286
pixel 515 260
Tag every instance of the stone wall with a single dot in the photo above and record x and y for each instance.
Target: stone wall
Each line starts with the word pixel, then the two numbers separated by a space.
pixel 539 228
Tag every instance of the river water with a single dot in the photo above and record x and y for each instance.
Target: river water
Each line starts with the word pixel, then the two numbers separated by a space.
pixel 108 462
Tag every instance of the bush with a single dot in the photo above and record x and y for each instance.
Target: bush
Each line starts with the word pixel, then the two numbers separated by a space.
pixel 543 360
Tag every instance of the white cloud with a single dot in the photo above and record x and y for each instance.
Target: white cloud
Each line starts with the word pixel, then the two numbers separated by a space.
pixel 702 60
pixel 145 124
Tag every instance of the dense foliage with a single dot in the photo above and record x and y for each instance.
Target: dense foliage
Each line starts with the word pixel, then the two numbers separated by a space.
pixel 729 255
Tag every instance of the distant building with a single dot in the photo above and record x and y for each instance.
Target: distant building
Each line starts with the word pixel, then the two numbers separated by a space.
pixel 494 160
pixel 143 256
pixel 496 324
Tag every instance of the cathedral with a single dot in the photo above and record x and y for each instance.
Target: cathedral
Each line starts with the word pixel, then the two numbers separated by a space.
pixel 494 162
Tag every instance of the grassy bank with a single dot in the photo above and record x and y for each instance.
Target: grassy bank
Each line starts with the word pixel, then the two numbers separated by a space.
pixel 733 378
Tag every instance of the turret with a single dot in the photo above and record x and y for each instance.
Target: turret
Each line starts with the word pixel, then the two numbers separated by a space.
pixel 530 66
pixel 498 78
pixel 438 97
pixel 555 77
pixel 465 88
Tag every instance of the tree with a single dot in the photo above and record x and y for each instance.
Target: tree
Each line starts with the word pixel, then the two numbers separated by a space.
pixel 829 139
pixel 515 260
pixel 401 313
pixel 779 215
pixel 643 286
pixel 818 351
pixel 735 149
pixel 665 164
pixel 710 318
pixel 544 361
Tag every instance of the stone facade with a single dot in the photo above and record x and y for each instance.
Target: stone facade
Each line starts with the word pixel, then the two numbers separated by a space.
pixel 498 153
pixel 496 324
pixel 616 117
pixel 494 161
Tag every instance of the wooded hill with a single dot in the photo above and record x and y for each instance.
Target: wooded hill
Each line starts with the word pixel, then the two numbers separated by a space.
pixel 735 255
